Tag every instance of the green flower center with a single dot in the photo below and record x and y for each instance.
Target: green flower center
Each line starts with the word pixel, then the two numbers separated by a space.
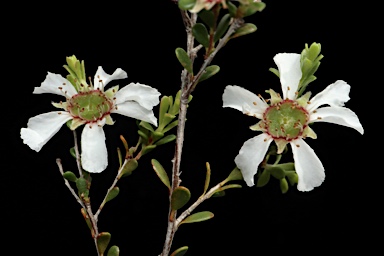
pixel 90 106
pixel 285 120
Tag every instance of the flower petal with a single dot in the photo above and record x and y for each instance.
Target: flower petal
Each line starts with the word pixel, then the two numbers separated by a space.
pixel 101 78
pixel 145 95
pixel 94 155
pixel 56 84
pixel 290 73
pixel 308 166
pixel 135 110
pixel 243 100
pixel 251 155
pixel 41 128
pixel 337 115
pixel 335 94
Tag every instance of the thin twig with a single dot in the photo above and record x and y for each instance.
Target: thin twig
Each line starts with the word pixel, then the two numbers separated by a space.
pixel 110 188
pixel 188 85
pixel 78 161
pixel 58 162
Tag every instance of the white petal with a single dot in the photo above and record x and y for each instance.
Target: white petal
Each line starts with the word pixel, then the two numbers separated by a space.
pixel 41 128
pixel 308 166
pixel 134 110
pixel 337 115
pixel 290 73
pixel 53 83
pixel 145 95
pixel 243 100
pixel 251 155
pixel 335 94
pixel 101 78
pixel 94 155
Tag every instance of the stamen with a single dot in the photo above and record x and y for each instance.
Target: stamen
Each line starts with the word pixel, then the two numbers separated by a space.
pixel 265 140
pixel 319 118
pixel 308 102
pixel 297 145
pixel 254 103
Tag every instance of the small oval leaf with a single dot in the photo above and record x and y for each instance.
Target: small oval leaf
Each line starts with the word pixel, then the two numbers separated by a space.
pixel 147 149
pixel 186 4
pixel 103 241
pixel 112 194
pixel 246 29
pixel 198 217
pixel 113 251
pixel 184 60
pixel 166 139
pixel 128 168
pixel 209 71
pixel 200 33
pixel 292 177
pixel 222 27
pixel 263 179
pixel 73 152
pixel 234 175
pixel 180 197
pixel 82 186
pixel 284 186
pixel 208 17
pixel 180 252
pixel 158 168
pixel 276 172
pixel 70 176
pixel 146 126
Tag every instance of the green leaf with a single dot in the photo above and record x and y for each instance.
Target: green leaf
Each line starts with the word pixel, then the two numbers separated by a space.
pixel 234 175
pixel 209 71
pixel 146 125
pixel 161 173
pixel 180 252
pixel 70 176
pixel 170 126
pixel 263 178
pixel 207 177
pixel 248 9
pixel 73 152
pixel 184 59
pixel 103 241
pixel 166 139
pixel 186 4
pixel 275 71
pixel 164 106
pixel 128 168
pixel 246 29
pixel 82 187
pixel 292 177
pixel 180 197
pixel 230 186
pixel 143 135
pixel 113 251
pixel 157 135
pixel 147 149
pixel 219 193
pixel 222 27
pixel 112 194
pixel 232 9
pixel 208 17
pixel 200 33
pixel 276 171
pixel 284 186
pixel 198 217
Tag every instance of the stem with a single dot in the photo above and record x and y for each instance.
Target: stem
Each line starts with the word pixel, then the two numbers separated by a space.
pixel 78 161
pixel 188 85
pixel 86 204
pixel 110 188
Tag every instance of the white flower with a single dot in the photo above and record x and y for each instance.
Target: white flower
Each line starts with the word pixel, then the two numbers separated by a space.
pixel 286 121
pixel 91 106
pixel 207 4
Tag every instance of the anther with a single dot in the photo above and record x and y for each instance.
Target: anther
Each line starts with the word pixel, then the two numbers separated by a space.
pixel 308 102
pixel 319 118
pixel 288 88
pixel 254 103
pixel 265 140
pixel 297 145
pixel 60 88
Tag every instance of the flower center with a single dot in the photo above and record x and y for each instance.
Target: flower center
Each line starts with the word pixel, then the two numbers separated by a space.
pixel 90 106
pixel 285 120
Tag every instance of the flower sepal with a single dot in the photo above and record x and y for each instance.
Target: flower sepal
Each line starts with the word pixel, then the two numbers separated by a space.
pixel 285 173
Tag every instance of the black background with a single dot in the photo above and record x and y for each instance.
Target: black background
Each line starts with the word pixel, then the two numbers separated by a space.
pixel 40 215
